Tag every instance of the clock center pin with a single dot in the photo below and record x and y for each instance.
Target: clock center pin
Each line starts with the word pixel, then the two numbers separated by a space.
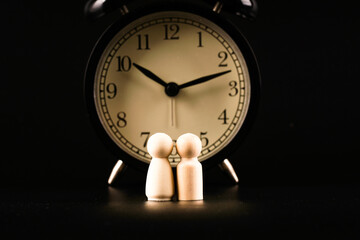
pixel 172 89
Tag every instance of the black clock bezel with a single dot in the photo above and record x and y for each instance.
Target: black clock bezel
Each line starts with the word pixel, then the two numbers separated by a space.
pixel 219 20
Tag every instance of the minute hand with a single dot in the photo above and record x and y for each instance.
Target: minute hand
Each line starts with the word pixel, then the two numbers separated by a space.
pixel 203 79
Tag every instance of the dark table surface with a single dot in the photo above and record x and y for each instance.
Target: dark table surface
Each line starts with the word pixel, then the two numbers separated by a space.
pixel 227 212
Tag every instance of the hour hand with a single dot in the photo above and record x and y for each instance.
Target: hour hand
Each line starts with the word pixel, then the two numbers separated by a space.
pixel 150 75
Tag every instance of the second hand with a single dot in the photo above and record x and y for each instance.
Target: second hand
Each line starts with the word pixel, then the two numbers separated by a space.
pixel 172 111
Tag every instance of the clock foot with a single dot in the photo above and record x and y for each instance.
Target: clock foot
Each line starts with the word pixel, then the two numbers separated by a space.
pixel 228 169
pixel 116 172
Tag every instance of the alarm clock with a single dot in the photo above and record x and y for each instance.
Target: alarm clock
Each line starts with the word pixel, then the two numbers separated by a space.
pixel 172 67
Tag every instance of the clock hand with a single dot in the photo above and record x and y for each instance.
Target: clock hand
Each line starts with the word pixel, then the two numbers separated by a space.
pixel 150 75
pixel 172 112
pixel 203 79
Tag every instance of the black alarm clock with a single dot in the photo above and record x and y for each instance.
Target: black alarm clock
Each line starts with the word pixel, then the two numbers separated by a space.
pixel 173 67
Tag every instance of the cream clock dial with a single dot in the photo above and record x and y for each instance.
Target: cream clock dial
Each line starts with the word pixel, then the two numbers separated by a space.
pixel 173 72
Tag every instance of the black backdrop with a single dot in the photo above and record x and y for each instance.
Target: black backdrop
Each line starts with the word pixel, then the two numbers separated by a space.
pixel 307 127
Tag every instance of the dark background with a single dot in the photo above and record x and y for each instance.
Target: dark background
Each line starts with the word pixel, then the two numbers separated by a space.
pixel 306 131
pixel 297 167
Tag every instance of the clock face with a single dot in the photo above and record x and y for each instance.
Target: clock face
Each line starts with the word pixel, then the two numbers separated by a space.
pixel 203 70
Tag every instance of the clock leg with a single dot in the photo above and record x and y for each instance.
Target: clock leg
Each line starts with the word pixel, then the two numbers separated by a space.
pixel 228 169
pixel 116 172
